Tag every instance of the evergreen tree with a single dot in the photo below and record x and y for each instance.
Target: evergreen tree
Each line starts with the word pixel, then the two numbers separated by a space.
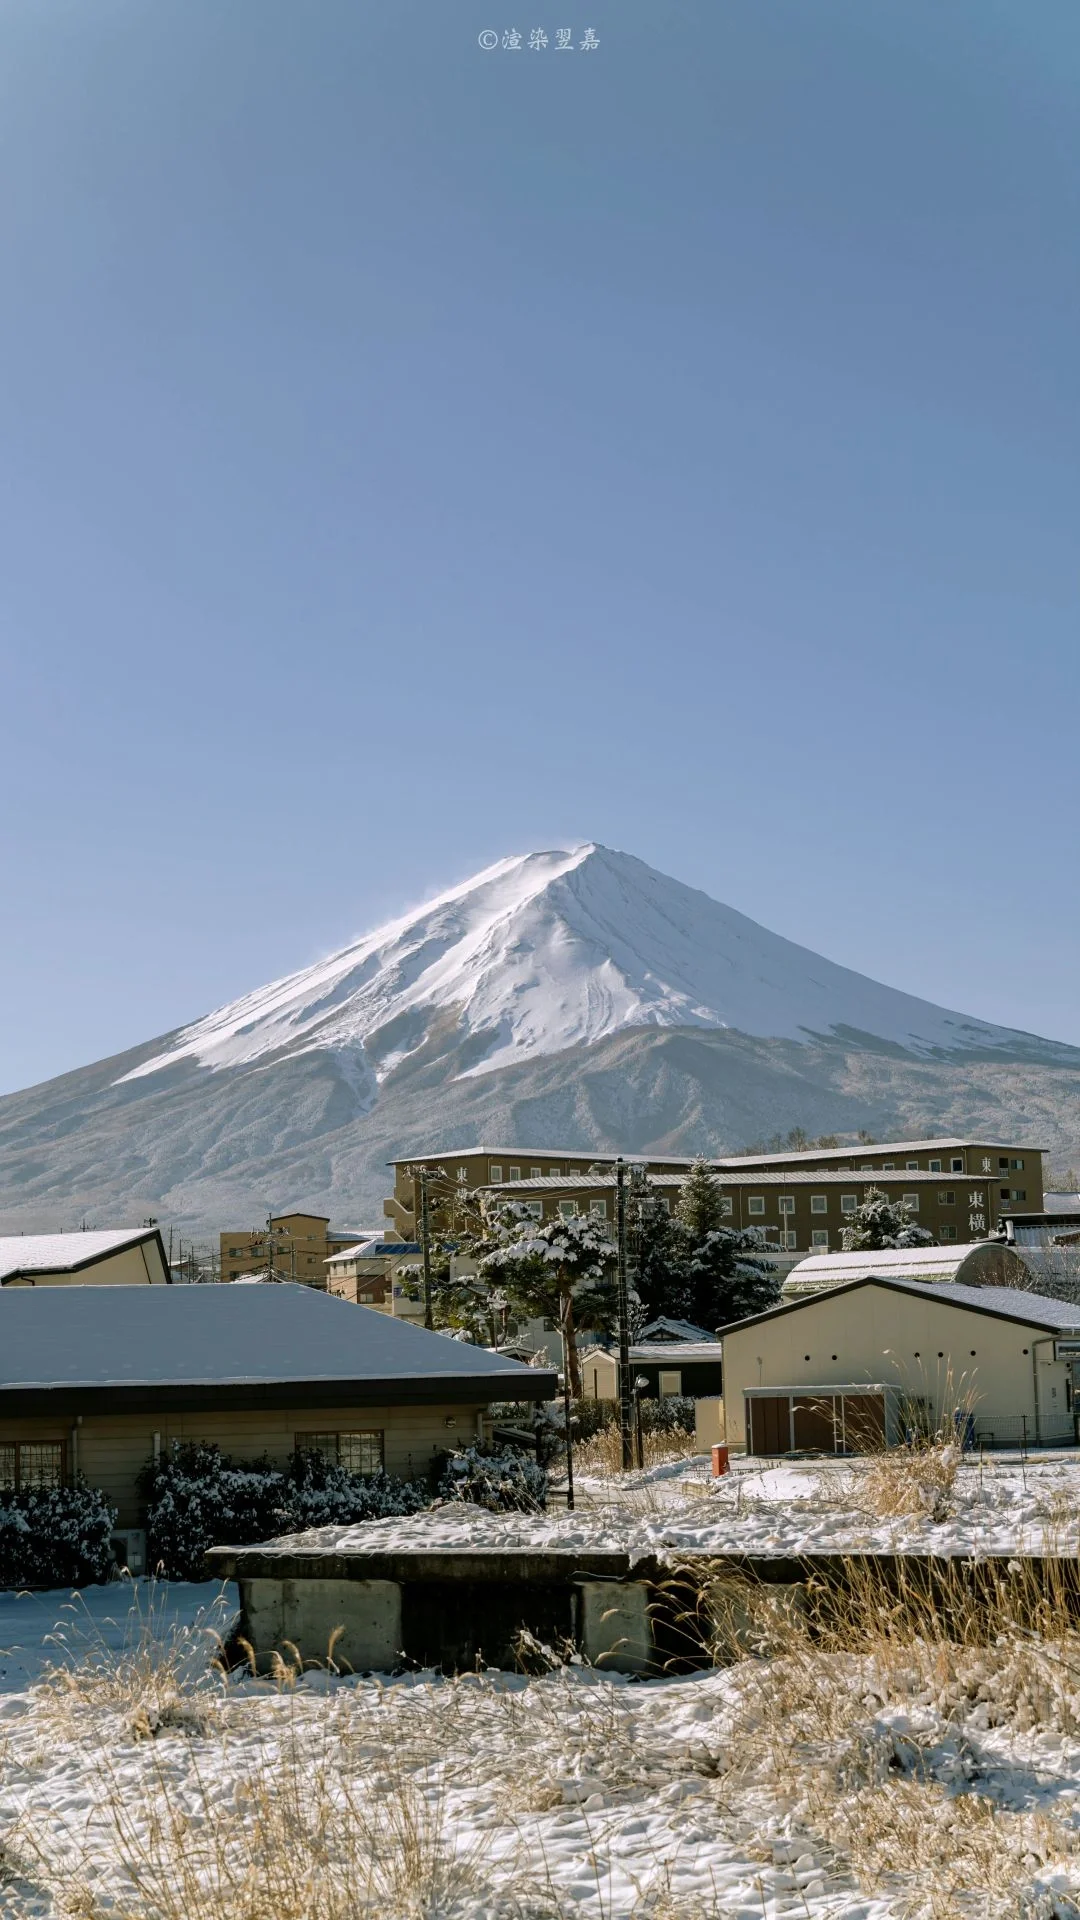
pixel 701 1203
pixel 562 1269
pixel 882 1222
pixel 729 1277
pixel 657 1253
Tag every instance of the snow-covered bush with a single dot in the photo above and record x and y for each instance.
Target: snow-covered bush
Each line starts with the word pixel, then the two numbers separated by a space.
pixel 196 1497
pixel 55 1537
pixel 323 1494
pixel 502 1481
pixel 673 1414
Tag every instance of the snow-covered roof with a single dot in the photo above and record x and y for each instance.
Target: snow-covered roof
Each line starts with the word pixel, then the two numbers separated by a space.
pixel 804 1157
pixel 185 1340
pixel 1002 1303
pixel 30 1253
pixel 665 1353
pixel 663 1326
pixel 1061 1203
pixel 969 1261
pixel 373 1250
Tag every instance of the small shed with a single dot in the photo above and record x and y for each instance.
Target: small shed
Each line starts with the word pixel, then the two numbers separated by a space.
pixel 670 1367
pixel 983 1263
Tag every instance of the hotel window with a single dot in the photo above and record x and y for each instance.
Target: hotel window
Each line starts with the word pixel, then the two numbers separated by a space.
pixel 946 1197
pixel 867 1167
pixel 496 1172
pixel 911 1200
pixel 535 1173
pixel 554 1173
pixel 755 1204
pixel 1003 1165
pixel 1017 1166
pixel 786 1203
pixel 888 1166
pixel 598 1208
pixel 788 1239
pixel 726 1205
pixel 31 1463
pixel 849 1202
pixel 947 1233
pixel 956 1165
pixel 515 1173
pixel 935 1166
pixel 356 1452
pixel 534 1209
pixel 819 1237
pixel 1018 1193
pixel 568 1209
pixel 913 1166
pixel 819 1203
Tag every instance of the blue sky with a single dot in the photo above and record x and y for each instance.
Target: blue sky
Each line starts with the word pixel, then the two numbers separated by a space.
pixel 411 454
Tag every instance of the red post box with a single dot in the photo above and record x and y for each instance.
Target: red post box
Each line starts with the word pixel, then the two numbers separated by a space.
pixel 719 1462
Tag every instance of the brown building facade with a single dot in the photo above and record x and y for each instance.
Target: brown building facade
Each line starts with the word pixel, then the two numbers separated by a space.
pixel 958 1189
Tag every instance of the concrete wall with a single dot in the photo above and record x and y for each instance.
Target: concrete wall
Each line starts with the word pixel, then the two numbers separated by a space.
pixel 941 1352
pixel 111 1451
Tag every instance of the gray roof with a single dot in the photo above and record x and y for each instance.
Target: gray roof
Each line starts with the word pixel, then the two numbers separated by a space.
pixel 260 1345
pixel 64 1252
pixel 728 1160
pixel 1002 1303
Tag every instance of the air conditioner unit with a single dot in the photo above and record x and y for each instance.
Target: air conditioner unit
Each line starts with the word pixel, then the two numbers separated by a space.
pixel 129 1549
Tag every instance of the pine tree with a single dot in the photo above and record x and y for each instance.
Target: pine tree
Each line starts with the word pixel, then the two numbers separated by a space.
pixel 882 1222
pixel 561 1269
pixel 730 1278
pixel 657 1248
pixel 701 1203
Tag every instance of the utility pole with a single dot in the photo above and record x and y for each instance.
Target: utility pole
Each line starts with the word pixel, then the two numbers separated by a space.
pixel 626 1433
pixel 567 1403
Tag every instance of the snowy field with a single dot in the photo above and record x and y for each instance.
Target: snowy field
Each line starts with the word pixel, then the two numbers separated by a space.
pixel 937 1503
pixel 919 1781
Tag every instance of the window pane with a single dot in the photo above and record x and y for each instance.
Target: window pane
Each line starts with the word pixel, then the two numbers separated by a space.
pixel 7 1463
pixel 361 1452
pixel 41 1463
pixel 318 1443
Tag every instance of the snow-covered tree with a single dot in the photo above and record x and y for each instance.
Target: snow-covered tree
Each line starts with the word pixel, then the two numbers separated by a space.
pixel 882 1222
pixel 657 1251
pixel 561 1269
pixel 730 1277
pixel 700 1209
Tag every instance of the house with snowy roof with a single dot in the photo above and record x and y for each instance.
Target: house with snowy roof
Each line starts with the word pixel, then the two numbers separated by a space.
pixel 98 1381
pixel 115 1257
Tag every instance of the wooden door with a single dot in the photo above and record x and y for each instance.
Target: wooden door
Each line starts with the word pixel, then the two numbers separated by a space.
pixel 814 1423
pixel 768 1423
pixel 864 1422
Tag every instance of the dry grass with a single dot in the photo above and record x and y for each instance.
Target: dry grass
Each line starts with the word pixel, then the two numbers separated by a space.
pixel 920 1479
pixel 602 1455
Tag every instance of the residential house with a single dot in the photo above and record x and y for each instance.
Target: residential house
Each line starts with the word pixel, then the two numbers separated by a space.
pixel 115 1257
pixel 101 1380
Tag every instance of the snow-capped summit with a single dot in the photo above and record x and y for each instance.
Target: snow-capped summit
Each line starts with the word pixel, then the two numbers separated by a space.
pixel 553 950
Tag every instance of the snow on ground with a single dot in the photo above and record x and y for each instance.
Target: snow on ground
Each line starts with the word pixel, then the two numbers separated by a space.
pixel 40 1630
pixel 881 1787
pixel 1000 1505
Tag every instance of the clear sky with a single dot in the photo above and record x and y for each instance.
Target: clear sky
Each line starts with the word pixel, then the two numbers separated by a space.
pixel 412 454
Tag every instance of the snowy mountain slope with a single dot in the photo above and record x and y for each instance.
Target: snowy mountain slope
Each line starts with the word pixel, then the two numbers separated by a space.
pixel 560 999
pixel 556 950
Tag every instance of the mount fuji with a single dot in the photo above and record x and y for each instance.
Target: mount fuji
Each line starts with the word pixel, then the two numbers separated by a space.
pixel 562 998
